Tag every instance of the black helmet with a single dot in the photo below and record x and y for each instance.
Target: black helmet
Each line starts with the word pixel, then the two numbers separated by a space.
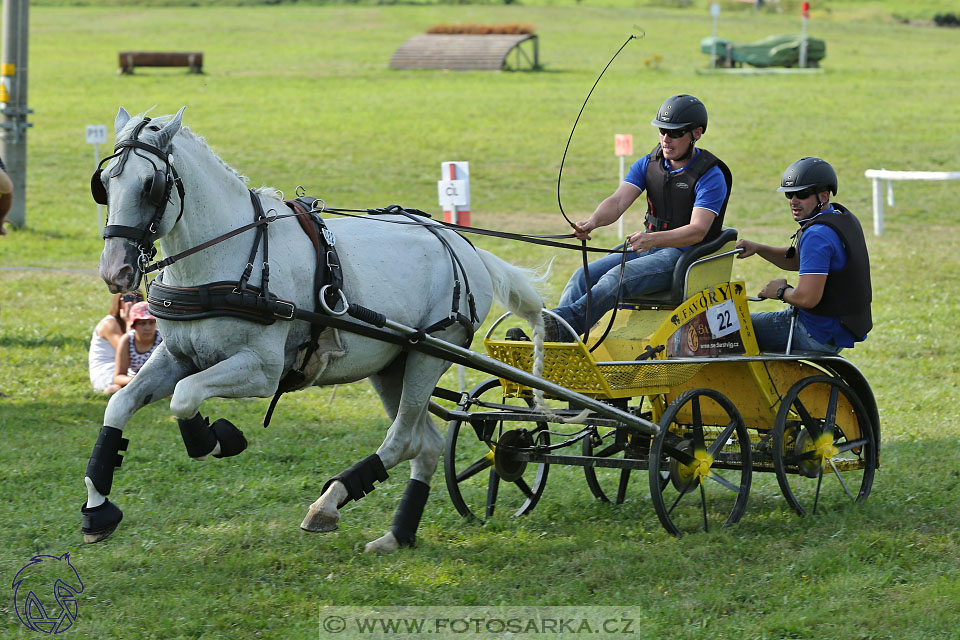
pixel 681 111
pixel 809 172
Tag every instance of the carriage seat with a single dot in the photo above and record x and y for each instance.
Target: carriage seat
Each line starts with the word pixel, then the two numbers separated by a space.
pixel 699 267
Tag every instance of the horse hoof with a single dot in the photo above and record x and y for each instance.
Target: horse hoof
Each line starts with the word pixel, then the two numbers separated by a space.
pixel 230 438
pixel 382 545
pixel 99 522
pixel 320 522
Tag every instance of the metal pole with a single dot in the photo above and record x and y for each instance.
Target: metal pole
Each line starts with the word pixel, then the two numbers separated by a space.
pixel 495 367
pixel 13 103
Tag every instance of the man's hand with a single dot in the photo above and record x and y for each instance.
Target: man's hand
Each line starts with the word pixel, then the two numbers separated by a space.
pixel 770 291
pixel 749 248
pixel 582 229
pixel 641 241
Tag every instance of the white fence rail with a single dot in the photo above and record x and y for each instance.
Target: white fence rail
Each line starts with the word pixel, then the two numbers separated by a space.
pixel 880 175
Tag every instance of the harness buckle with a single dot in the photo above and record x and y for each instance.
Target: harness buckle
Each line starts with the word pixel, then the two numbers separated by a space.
pixel 289 308
pixel 330 238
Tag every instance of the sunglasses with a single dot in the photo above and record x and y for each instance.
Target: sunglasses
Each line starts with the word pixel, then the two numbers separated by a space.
pixel 130 297
pixel 801 195
pixel 674 133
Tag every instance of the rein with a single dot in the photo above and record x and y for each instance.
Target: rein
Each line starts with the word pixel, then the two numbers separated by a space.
pixel 368 214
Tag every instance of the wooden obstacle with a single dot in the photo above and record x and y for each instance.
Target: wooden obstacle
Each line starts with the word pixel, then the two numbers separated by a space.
pixel 131 59
pixel 465 52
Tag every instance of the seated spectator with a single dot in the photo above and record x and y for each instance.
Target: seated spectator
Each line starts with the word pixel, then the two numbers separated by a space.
pixel 106 336
pixel 136 346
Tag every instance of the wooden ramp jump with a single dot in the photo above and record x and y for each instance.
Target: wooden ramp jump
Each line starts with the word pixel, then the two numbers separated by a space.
pixel 465 52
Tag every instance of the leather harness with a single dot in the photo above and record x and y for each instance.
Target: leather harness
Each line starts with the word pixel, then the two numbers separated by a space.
pixel 239 299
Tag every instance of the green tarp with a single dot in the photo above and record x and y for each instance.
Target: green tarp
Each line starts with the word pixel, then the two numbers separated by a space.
pixel 773 51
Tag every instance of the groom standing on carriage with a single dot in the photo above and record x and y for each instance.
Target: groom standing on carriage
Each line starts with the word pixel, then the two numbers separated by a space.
pixel 687 194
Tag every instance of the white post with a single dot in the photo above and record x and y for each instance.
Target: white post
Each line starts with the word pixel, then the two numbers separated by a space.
pixel 715 12
pixel 877 208
pixel 622 147
pixel 97 134
pixel 890 192
pixel 620 221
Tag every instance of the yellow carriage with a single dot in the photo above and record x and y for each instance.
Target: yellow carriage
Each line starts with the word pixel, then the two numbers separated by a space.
pixel 685 362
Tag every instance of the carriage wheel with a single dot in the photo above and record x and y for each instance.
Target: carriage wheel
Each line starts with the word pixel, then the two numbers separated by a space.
pixel 705 448
pixel 607 484
pixel 824 446
pixel 476 484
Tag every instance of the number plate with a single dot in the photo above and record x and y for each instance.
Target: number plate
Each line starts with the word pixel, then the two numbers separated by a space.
pixel 723 319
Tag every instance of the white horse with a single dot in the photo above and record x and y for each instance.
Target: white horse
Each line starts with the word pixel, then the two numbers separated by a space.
pixel 401 271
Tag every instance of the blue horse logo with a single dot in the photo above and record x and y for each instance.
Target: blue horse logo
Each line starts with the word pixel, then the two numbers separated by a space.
pixel 39 576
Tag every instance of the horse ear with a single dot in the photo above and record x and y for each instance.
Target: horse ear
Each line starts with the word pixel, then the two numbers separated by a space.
pixel 122 119
pixel 170 129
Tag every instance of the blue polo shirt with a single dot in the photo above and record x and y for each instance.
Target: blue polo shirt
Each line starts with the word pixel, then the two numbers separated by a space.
pixel 821 251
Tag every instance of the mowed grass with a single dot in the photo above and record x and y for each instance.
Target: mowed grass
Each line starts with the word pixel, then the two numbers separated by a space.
pixel 301 95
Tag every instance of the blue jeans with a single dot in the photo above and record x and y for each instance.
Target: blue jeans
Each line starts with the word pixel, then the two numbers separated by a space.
pixel 773 327
pixel 644 272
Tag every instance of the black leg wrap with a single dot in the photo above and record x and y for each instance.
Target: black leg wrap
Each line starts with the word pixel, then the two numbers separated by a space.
pixel 102 519
pixel 359 478
pixel 105 457
pixel 197 436
pixel 230 438
pixel 407 518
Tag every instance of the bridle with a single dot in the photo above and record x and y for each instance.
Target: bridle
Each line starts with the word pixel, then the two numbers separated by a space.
pixel 157 193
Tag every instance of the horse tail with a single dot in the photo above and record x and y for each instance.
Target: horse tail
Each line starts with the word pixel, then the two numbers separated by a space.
pixel 514 288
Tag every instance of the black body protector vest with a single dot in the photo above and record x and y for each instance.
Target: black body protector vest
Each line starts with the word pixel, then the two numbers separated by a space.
pixel 670 196
pixel 847 293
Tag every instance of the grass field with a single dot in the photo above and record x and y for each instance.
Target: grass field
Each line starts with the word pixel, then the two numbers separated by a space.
pixel 298 94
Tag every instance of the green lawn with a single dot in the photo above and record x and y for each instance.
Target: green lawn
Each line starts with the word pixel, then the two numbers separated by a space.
pixel 301 94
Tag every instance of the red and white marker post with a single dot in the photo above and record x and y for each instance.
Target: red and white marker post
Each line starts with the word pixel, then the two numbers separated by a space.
pixel 453 191
pixel 805 12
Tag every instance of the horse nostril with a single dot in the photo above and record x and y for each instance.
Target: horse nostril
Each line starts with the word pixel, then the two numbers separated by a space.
pixel 125 274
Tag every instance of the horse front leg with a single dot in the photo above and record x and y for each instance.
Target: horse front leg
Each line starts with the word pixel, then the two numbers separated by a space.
pixel 155 380
pixel 242 375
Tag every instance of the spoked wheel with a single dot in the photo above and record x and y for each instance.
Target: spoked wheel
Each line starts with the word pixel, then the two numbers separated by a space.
pixel 478 481
pixel 824 446
pixel 609 484
pixel 704 447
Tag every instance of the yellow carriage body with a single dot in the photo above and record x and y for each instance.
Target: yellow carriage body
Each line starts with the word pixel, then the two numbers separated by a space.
pixel 689 355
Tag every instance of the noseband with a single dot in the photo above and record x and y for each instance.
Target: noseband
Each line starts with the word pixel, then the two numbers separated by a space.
pixel 157 195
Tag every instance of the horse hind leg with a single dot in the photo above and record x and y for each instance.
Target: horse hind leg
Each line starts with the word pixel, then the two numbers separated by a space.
pixel 404 388
pixel 413 436
pixel 324 514
pixel 406 519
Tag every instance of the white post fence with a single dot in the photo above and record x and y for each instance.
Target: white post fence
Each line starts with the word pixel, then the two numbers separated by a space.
pixel 877 175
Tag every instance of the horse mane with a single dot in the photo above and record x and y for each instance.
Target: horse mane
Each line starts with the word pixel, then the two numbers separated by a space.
pixel 189 135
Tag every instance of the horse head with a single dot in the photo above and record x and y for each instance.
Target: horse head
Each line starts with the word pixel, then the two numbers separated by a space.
pixel 140 187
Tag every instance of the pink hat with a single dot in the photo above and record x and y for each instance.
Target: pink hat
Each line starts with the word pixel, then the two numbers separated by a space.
pixel 139 311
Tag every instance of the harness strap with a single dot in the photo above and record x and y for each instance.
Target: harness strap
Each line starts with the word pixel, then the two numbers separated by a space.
pixel 457 265
pixel 327 271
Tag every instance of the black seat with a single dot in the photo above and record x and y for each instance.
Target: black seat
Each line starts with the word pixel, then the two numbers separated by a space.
pixel 677 292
